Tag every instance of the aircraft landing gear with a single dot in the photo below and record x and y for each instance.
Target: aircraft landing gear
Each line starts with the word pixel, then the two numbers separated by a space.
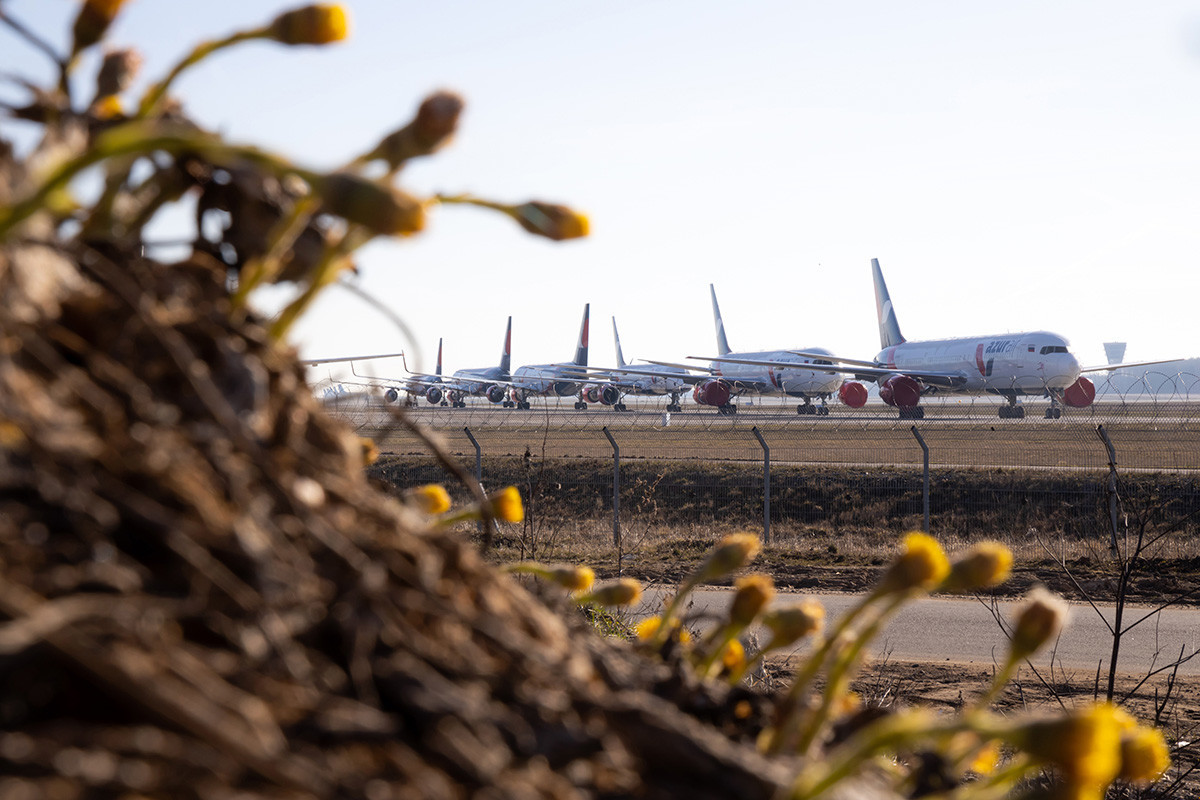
pixel 619 407
pixel 674 407
pixel 807 408
pixel 580 405
pixel 1012 410
pixel 912 412
pixel 1055 409
pixel 728 409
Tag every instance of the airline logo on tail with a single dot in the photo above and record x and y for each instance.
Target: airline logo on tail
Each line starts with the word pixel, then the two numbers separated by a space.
pixel 506 354
pixel 889 328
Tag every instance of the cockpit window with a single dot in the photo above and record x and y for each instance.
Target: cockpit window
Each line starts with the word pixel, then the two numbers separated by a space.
pixel 1053 348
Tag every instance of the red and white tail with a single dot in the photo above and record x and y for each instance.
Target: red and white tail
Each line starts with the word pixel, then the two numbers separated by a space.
pixel 889 328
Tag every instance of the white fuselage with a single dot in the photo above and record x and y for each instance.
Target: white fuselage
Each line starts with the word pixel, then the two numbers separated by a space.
pixel 478 380
pixel 794 382
pixel 547 380
pixel 655 385
pixel 1005 364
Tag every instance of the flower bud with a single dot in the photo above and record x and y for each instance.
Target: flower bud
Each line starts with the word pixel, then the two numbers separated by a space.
pixel 1085 745
pixel 1144 755
pixel 381 209
pixel 1038 621
pixel 752 595
pixel 92 22
pixel 320 23
pixel 431 498
pixel 735 550
pixel 552 221
pixel 788 625
pixel 646 629
pixel 117 72
pixel 733 655
pixel 506 505
pixel 370 453
pixel 922 565
pixel 621 592
pixel 575 579
pixel 985 565
pixel 434 124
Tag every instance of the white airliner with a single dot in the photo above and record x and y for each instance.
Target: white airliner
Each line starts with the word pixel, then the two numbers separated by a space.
pixel 769 372
pixel 490 382
pixel 652 380
pixel 1011 365
pixel 553 380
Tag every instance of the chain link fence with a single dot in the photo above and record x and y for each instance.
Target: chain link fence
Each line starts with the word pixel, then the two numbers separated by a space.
pixel 961 471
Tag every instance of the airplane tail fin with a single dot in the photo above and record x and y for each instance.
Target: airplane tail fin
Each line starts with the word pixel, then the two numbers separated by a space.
pixel 889 328
pixel 582 347
pixel 722 344
pixel 506 353
pixel 617 342
pixel 438 371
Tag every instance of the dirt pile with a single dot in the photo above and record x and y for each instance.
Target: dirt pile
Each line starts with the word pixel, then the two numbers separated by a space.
pixel 203 596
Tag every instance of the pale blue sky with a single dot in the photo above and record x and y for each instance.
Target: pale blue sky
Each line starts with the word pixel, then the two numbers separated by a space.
pixel 1013 166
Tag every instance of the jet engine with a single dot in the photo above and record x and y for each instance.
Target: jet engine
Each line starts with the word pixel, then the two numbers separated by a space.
pixel 434 395
pixel 1080 394
pixel 900 390
pixel 853 394
pixel 495 393
pixel 712 393
pixel 391 395
pixel 601 394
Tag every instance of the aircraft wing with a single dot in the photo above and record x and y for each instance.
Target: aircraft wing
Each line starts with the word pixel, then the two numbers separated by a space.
pixel 827 357
pixel 1131 364
pixel 673 365
pixel 312 362
pixel 681 375
pixel 943 380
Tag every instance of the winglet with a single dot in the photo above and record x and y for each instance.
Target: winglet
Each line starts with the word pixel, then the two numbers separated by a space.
pixel 722 344
pixel 582 347
pixel 617 342
pixel 506 353
pixel 889 328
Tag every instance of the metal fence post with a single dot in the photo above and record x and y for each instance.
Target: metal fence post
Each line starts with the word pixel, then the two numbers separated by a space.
pixel 616 495
pixel 766 483
pixel 1113 496
pixel 478 457
pixel 925 474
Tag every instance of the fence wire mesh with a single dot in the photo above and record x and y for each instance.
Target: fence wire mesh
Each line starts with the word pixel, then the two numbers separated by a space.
pixel 853 472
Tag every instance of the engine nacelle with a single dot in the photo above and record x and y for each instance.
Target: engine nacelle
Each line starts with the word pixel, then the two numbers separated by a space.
pixel 391 395
pixel 712 393
pixel 434 395
pixel 853 394
pixel 496 393
pixel 1080 394
pixel 900 390
pixel 606 395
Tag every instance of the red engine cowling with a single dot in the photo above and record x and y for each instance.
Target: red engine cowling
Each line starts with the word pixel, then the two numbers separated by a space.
pixel 495 393
pixel 853 394
pixel 712 393
pixel 434 395
pixel 1080 394
pixel 591 394
pixel 900 390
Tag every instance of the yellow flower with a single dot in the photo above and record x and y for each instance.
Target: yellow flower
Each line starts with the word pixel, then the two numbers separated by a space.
pixel 506 505
pixel 986 759
pixel 985 565
pixel 552 221
pixel 431 498
pixel 922 565
pixel 733 656
pixel 1085 745
pixel 1144 755
pixel 575 579
pixel 1038 621
pixel 621 592
pixel 752 595
pixel 320 23
pixel 92 22
pixel 381 209
pixel 735 550
pixel 648 627
pixel 370 452
pixel 788 625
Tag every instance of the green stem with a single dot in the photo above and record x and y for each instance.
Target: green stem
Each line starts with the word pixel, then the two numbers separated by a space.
pixel 155 93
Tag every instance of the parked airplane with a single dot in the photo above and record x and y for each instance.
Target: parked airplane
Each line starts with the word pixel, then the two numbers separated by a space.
pixel 489 382
pixel 770 372
pixel 1010 365
pixel 553 380
pixel 653 380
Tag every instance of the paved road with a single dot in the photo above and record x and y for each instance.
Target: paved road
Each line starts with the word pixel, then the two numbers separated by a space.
pixel 964 631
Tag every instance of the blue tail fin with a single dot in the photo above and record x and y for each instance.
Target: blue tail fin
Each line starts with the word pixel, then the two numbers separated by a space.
pixel 889 328
pixel 582 347
pixel 506 353
pixel 722 344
